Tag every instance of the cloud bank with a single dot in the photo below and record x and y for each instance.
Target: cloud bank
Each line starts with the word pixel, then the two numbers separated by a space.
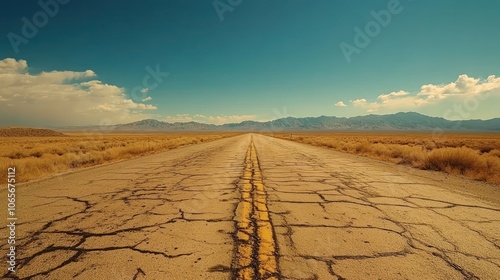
pixel 62 98
pixel 465 98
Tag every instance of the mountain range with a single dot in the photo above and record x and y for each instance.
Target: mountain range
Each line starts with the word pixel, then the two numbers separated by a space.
pixel 399 121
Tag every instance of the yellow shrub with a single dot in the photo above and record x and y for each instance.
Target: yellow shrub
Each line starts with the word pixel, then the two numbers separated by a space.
pixel 35 157
pixel 453 159
pixel 473 155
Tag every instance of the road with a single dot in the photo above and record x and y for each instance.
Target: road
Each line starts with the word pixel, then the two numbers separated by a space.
pixel 255 207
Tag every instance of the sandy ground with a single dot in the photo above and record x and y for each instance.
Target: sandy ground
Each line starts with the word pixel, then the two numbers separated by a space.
pixel 307 213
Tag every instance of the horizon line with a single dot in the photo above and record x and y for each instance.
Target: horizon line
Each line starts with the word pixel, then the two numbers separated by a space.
pixel 229 123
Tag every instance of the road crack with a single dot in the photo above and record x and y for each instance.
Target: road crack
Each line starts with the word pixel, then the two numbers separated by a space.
pixel 256 250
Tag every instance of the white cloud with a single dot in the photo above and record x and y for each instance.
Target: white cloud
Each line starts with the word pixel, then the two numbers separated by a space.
pixel 340 104
pixel 439 99
pixel 387 97
pixel 12 66
pixel 144 90
pixel 359 102
pixel 62 98
pixel 221 119
pixel 147 99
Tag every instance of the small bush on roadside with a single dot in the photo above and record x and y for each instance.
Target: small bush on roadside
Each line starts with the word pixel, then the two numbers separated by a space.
pixel 453 159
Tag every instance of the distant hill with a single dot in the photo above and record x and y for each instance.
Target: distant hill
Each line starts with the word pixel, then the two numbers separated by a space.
pixel 149 125
pixel 398 121
pixel 27 132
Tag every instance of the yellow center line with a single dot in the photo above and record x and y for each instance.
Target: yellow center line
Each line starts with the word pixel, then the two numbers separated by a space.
pixel 256 248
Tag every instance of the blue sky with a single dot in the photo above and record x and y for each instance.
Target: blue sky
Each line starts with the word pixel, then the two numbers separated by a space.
pixel 264 60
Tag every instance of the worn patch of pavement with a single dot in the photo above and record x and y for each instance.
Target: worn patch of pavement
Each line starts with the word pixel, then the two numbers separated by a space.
pixel 255 207
pixel 340 216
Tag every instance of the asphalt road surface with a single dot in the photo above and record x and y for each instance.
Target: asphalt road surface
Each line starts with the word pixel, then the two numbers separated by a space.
pixel 255 207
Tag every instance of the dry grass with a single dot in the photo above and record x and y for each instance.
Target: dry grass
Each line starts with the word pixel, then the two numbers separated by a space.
pixel 37 157
pixel 474 155
pixel 27 132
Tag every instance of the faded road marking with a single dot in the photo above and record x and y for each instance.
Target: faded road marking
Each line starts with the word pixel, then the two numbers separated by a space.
pixel 255 245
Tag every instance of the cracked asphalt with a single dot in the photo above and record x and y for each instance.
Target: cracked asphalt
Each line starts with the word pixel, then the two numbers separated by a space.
pixel 256 207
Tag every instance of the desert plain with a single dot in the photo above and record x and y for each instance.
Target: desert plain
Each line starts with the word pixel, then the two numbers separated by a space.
pixel 254 206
